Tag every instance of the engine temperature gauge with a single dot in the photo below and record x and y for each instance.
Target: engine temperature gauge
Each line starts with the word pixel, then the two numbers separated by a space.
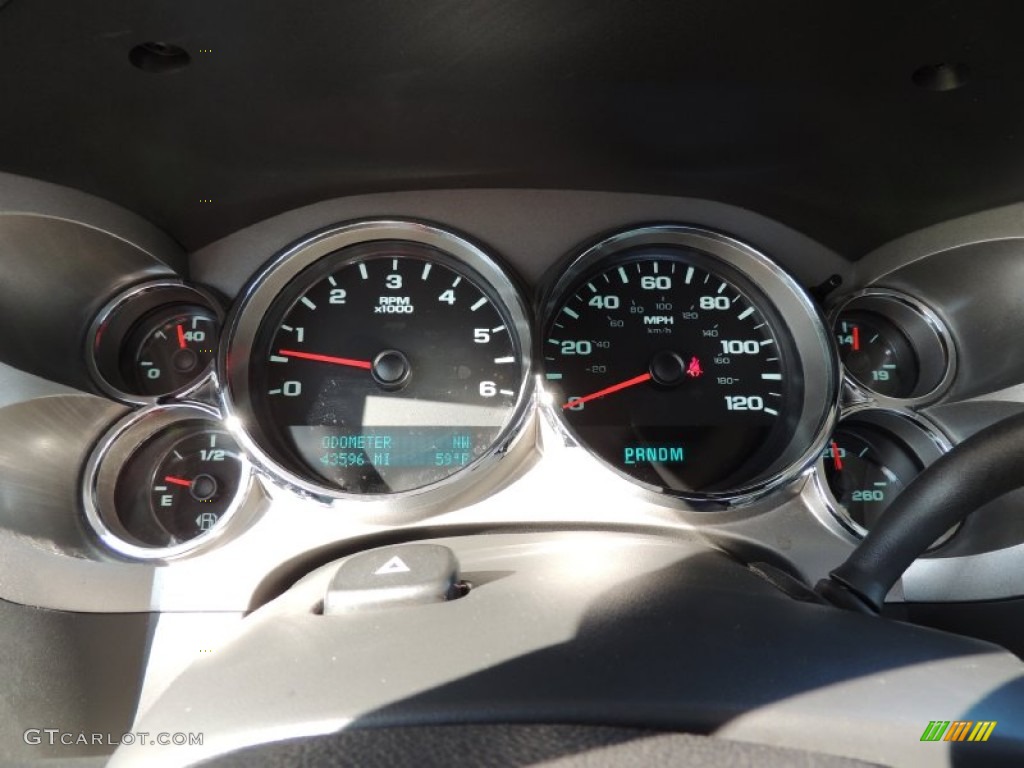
pixel 865 471
pixel 872 457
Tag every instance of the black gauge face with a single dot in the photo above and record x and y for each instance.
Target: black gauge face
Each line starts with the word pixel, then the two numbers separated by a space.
pixel 170 350
pixel 877 354
pixel 384 368
pixel 868 465
pixel 179 484
pixel 195 483
pixel 674 371
pixel 865 471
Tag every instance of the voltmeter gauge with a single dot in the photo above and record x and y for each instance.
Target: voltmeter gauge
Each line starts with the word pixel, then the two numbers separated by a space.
pixel 896 350
pixel 164 482
pixel 877 354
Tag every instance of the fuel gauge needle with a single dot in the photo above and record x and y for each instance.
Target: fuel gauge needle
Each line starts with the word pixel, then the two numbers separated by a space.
pixel 608 390
pixel 178 481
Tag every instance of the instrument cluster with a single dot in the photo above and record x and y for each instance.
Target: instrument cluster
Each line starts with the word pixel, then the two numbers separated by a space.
pixel 395 361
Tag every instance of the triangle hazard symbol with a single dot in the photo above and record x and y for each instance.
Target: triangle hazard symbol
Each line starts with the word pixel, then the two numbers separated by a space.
pixel 394 565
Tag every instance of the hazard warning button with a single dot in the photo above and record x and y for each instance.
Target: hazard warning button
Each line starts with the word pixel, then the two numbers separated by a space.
pixel 408 574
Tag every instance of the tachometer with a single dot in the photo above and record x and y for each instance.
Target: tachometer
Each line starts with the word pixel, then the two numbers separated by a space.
pixel 689 363
pixel 387 364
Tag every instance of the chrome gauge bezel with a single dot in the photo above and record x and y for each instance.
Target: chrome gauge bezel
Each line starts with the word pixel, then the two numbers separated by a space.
pixel 925 436
pixel 108 459
pixel 126 310
pixel 799 316
pixel 928 329
pixel 257 299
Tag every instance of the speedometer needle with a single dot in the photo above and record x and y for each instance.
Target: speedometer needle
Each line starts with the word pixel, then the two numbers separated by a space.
pixel 181 336
pixel 576 401
pixel 365 364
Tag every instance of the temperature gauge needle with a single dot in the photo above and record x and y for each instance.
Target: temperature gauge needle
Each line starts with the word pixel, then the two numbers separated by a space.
pixel 364 364
pixel 181 336
pixel 608 390
pixel 178 481
pixel 838 462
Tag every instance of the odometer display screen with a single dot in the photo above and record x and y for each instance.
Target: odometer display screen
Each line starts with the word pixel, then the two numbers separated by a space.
pixel 673 368
pixel 386 367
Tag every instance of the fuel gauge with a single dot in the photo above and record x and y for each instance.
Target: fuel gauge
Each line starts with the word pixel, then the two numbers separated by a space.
pixel 195 483
pixel 165 481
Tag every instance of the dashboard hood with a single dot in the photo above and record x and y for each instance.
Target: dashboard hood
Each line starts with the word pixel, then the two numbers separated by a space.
pixel 841 121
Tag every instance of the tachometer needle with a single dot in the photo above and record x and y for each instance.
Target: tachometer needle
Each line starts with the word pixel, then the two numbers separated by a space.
pixel 178 481
pixel 365 364
pixel 608 390
pixel 181 336
pixel 836 461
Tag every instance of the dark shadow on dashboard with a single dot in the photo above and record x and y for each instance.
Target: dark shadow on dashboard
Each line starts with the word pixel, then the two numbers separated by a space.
pixel 689 647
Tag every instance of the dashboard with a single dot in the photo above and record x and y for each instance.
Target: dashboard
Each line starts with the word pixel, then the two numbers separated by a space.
pixel 515 369
pixel 378 369
pixel 300 442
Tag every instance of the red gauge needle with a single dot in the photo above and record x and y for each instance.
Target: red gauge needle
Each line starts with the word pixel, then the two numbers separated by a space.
pixel 365 364
pixel 608 390
pixel 181 336
pixel 835 457
pixel 856 338
pixel 178 481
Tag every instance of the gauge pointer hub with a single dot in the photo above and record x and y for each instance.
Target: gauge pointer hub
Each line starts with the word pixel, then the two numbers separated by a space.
pixel 391 369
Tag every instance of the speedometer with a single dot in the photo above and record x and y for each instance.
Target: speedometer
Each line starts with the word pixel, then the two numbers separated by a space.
pixel 689 363
pixel 388 357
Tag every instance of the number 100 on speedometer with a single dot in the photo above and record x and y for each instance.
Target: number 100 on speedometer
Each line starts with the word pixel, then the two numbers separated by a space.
pixel 673 366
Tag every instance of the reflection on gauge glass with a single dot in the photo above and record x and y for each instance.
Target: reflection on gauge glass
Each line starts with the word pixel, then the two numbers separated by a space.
pixel 877 354
pixel 673 365
pixel 170 349
pixel 386 367
pixel 179 484
pixel 871 458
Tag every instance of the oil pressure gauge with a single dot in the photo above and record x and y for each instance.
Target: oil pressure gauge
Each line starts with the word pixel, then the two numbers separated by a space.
pixel 154 341
pixel 164 482
pixel 170 349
